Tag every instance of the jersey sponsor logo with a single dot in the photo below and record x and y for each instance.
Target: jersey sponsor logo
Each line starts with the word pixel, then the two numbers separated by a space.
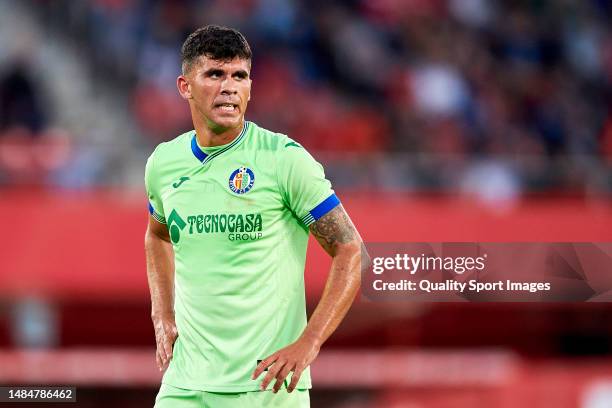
pixel 239 227
pixel 179 182
pixel 175 225
pixel 212 223
pixel 241 180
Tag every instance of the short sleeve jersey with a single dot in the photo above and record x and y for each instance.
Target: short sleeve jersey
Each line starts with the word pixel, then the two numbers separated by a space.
pixel 238 218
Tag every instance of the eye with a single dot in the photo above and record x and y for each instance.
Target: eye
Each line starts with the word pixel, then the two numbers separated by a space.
pixel 240 76
pixel 214 74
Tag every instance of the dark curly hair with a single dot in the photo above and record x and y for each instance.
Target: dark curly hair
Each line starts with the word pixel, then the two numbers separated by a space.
pixel 216 42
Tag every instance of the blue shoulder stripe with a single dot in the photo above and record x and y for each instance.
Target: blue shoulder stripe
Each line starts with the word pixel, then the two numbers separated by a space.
pixel 320 210
pixel 155 215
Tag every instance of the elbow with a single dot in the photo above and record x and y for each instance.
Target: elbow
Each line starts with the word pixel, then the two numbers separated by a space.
pixel 355 255
pixel 351 250
pixel 148 238
pixel 362 262
pixel 364 257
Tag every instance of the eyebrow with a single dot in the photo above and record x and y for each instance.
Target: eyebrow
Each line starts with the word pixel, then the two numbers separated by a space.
pixel 213 71
pixel 218 71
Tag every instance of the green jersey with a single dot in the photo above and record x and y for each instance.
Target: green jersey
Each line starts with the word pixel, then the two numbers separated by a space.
pixel 237 215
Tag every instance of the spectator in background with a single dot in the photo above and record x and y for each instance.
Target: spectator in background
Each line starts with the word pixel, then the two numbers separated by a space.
pixel 20 105
pixel 29 150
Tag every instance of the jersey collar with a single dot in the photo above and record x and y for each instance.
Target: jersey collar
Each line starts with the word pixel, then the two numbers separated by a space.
pixel 204 158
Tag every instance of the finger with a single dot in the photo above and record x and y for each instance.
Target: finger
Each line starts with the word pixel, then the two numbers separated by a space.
pixel 297 373
pixel 161 351
pixel 272 372
pixel 158 361
pixel 261 367
pixel 168 349
pixel 280 377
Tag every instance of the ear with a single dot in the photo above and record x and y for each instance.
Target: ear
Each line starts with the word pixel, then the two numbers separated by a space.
pixel 184 88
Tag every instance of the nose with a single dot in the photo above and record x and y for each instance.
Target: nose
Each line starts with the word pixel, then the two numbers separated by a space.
pixel 228 86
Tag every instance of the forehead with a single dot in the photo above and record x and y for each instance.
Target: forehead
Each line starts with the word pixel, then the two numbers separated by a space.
pixel 204 63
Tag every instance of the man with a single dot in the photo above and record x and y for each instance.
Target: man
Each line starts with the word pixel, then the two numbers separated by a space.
pixel 231 205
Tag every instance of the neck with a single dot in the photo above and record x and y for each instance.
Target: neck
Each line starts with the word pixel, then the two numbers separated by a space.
pixel 210 135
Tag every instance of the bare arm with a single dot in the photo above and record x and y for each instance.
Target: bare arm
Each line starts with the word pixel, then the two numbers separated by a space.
pixel 160 274
pixel 338 236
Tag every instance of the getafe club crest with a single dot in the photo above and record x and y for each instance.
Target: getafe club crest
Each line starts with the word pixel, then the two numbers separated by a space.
pixel 241 180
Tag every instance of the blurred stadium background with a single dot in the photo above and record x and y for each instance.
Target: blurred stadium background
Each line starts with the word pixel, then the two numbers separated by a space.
pixel 437 120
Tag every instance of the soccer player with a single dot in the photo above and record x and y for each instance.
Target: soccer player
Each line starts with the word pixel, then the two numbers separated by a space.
pixel 231 206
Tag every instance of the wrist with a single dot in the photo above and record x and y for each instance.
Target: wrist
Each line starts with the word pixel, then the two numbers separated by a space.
pixel 312 338
pixel 162 315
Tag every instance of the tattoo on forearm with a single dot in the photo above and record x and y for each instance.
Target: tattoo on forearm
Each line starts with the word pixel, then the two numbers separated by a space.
pixel 334 227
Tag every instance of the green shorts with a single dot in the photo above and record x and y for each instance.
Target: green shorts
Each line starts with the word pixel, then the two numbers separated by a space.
pixel 172 397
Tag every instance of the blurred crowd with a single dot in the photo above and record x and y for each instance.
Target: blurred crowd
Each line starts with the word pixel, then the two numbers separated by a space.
pixel 478 83
pixel 434 76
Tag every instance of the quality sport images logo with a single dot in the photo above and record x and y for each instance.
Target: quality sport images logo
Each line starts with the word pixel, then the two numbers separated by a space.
pixel 241 180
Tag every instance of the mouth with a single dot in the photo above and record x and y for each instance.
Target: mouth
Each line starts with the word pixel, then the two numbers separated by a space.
pixel 227 107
